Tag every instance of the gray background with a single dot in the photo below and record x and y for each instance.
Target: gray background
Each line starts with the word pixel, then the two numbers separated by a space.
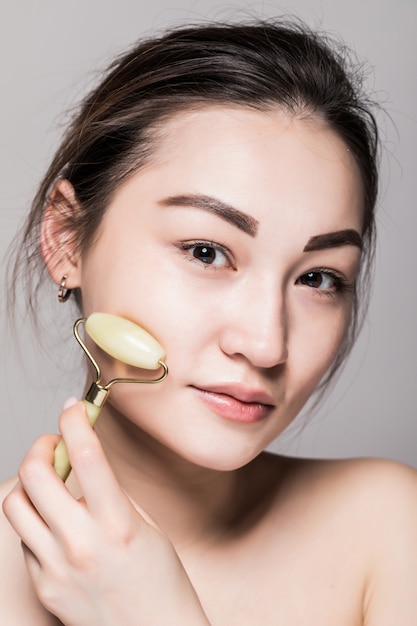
pixel 50 51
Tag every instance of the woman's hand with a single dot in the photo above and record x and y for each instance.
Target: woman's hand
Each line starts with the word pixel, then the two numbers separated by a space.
pixel 97 560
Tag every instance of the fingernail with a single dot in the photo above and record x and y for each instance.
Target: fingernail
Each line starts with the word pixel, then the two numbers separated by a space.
pixel 70 402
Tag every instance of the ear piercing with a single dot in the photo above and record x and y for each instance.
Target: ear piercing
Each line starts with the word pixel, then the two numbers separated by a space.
pixel 63 292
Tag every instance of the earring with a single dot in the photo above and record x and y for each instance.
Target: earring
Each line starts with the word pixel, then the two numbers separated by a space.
pixel 63 293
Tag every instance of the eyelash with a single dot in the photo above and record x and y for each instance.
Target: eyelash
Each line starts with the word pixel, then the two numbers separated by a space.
pixel 341 285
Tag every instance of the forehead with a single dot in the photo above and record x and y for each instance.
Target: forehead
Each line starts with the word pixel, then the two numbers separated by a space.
pixel 262 161
pixel 220 127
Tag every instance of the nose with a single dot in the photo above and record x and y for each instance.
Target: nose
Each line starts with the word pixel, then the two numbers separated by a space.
pixel 255 325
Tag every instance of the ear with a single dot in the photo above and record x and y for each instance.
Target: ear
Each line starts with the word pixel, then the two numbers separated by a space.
pixel 58 237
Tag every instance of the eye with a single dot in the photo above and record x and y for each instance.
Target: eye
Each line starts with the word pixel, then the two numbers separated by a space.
pixel 208 253
pixel 327 281
pixel 318 280
pixel 205 254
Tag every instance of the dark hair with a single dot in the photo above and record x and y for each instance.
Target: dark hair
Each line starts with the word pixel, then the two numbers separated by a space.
pixel 261 65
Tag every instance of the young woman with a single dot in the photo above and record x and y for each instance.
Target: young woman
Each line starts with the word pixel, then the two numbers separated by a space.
pixel 217 188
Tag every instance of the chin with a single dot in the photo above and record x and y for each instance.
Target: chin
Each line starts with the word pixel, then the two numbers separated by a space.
pixel 220 458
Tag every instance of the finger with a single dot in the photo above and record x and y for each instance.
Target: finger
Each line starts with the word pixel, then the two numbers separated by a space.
pixel 45 490
pixel 100 488
pixel 27 523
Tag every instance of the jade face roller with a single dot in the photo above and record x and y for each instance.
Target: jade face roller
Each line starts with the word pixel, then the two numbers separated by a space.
pixel 125 341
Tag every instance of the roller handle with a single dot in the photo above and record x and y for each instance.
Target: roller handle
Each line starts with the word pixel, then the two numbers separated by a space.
pixel 61 462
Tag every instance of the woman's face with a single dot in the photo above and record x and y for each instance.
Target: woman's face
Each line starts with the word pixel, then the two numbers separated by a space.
pixel 225 249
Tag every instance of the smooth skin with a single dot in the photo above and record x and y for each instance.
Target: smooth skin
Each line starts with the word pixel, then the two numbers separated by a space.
pixel 173 514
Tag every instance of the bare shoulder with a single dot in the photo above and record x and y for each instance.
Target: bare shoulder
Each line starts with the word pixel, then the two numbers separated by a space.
pixel 367 483
pixel 381 494
pixel 388 494
pixel 369 510
pixel 375 495
pixel 17 599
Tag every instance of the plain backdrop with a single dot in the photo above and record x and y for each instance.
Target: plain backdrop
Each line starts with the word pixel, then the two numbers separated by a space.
pixel 51 50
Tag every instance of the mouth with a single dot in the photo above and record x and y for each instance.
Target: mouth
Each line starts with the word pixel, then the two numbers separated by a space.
pixel 236 402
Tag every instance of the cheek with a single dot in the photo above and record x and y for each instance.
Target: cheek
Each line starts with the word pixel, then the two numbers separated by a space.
pixel 317 341
pixel 149 292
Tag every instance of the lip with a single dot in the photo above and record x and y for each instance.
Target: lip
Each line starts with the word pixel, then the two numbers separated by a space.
pixel 236 402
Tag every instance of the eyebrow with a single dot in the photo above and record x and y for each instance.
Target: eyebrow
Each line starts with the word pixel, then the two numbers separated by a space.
pixel 244 222
pixel 348 237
